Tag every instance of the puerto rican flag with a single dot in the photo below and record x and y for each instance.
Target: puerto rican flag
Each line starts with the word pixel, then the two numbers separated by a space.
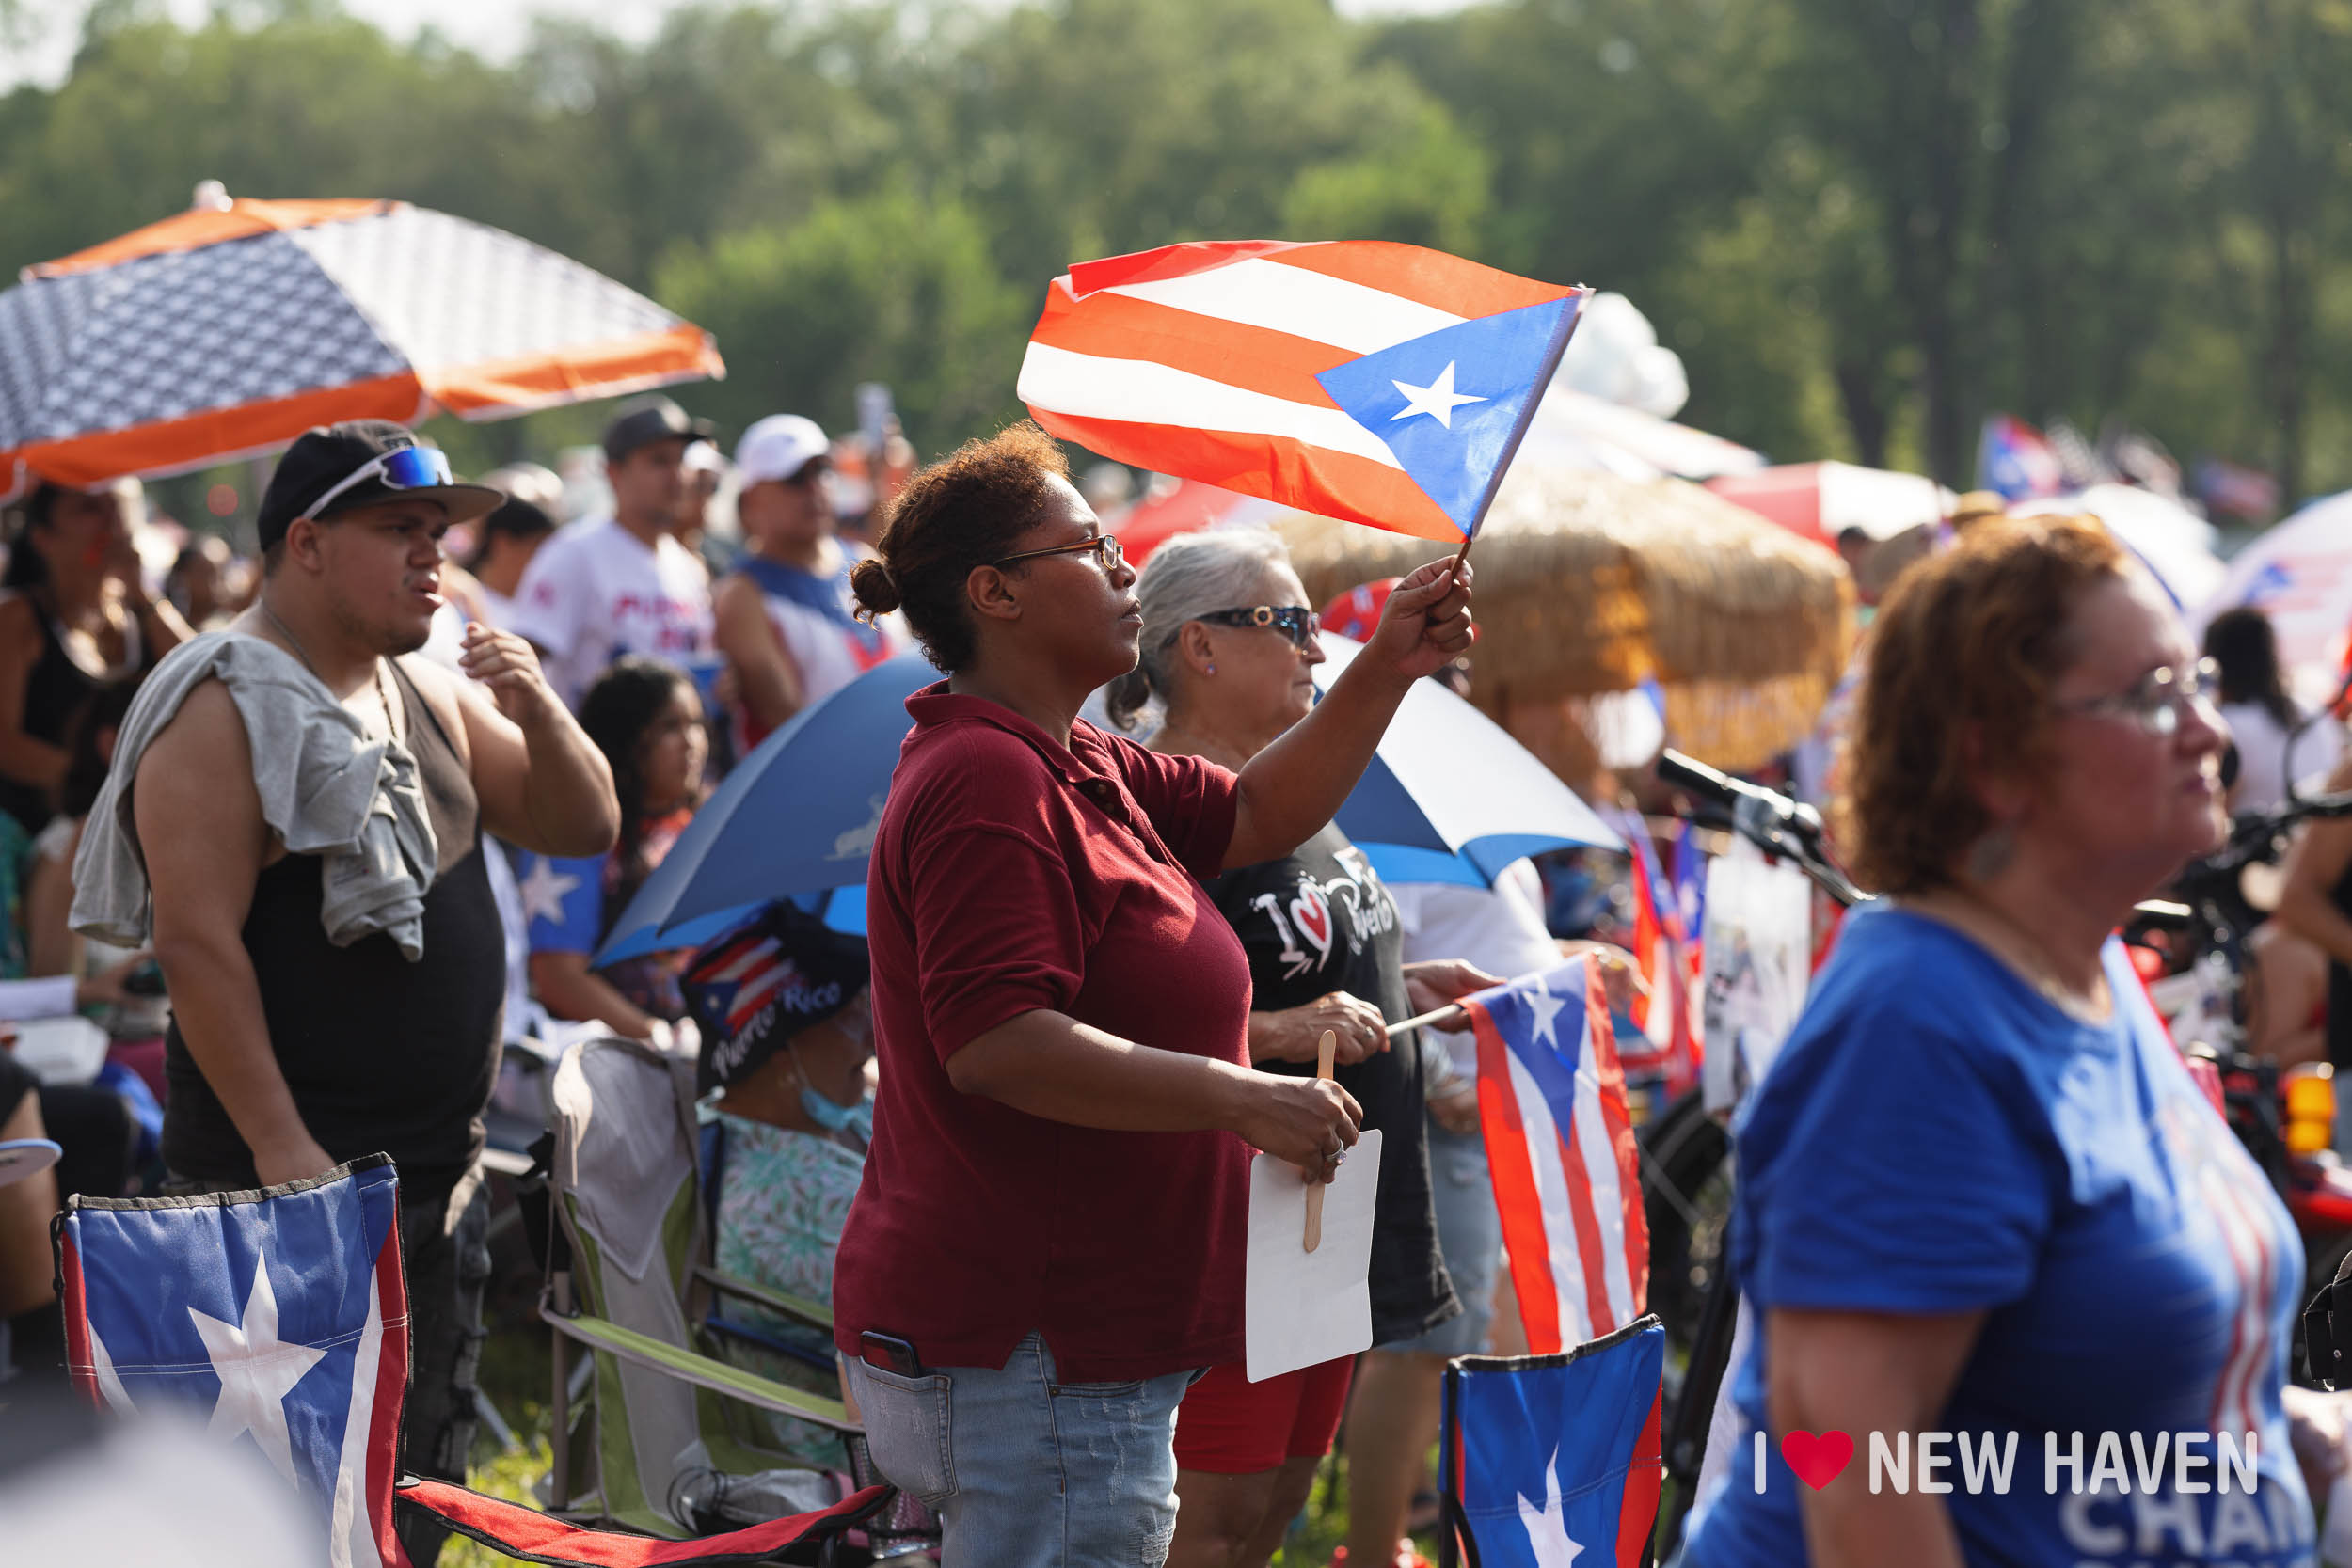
pixel 1382 384
pixel 2017 460
pixel 1547 1458
pixel 1567 1168
pixel 283 1314
pixel 742 976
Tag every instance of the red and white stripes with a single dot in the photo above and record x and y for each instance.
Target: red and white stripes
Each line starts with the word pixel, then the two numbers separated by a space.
pixel 1201 360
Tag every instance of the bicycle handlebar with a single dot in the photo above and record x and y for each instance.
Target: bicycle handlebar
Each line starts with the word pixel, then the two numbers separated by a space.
pixel 2255 837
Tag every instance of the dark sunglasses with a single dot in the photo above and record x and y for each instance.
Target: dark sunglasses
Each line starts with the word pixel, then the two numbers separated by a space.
pixel 1102 545
pixel 1294 621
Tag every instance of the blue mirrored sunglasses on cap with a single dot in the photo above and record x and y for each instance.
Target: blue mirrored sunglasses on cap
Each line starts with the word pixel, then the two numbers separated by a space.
pixel 401 468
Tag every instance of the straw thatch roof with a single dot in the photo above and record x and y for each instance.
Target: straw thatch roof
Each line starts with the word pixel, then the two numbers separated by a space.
pixel 1590 583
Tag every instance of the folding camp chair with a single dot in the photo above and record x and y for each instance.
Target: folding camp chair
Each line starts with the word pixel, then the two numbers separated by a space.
pixel 1543 1458
pixel 667 1421
pixel 285 1312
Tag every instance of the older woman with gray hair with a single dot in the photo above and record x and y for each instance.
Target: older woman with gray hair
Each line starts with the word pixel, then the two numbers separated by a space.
pixel 1228 648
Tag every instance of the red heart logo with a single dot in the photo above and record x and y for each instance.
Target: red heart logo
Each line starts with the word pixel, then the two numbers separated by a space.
pixel 1817 1459
pixel 1313 916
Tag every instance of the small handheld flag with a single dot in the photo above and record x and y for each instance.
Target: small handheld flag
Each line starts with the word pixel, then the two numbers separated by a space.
pixel 1382 384
pixel 1565 1160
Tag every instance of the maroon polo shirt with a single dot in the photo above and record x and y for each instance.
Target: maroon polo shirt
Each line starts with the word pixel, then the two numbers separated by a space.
pixel 1010 874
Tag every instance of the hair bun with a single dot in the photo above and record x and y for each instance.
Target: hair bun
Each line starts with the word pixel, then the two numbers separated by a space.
pixel 877 590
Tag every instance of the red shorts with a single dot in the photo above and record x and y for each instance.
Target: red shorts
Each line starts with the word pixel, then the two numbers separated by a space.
pixel 1230 1426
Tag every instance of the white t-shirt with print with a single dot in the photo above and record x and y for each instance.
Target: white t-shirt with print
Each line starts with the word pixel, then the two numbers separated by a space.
pixel 597 591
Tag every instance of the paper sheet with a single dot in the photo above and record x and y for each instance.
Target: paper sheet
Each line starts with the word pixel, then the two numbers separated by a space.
pixel 1302 1308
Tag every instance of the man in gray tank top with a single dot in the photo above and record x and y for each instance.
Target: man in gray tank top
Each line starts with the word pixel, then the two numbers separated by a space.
pixel 289 1052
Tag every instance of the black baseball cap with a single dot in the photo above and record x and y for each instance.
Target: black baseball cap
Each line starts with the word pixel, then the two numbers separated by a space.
pixel 316 469
pixel 756 988
pixel 644 420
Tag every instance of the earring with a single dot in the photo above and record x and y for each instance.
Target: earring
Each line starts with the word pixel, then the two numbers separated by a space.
pixel 1989 855
pixel 1212 670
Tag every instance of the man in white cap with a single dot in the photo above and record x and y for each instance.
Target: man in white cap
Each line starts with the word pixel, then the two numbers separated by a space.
pixel 784 620
pixel 622 583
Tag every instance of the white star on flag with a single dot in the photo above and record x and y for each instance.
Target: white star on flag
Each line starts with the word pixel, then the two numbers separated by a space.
pixel 257 1372
pixel 1439 399
pixel 544 890
pixel 1545 1007
pixel 1547 1527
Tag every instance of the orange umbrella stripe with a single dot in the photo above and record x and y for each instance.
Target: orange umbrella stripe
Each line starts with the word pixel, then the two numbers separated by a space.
pixel 494 388
pixel 218 435
pixel 193 230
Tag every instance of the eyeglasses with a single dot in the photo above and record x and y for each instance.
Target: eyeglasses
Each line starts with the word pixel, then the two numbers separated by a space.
pixel 1294 621
pixel 1103 547
pixel 401 468
pixel 2155 701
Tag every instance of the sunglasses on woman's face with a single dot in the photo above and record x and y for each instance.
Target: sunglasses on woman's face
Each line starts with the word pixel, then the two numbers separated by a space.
pixel 1294 621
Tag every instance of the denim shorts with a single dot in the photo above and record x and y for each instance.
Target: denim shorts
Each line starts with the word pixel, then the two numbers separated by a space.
pixel 1024 1471
pixel 1469 1236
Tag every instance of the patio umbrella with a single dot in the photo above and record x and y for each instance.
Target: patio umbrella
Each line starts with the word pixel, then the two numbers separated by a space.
pixel 1457 798
pixel 2177 545
pixel 797 815
pixel 1822 500
pixel 1588 431
pixel 1450 797
pixel 229 331
pixel 2298 573
pixel 1187 507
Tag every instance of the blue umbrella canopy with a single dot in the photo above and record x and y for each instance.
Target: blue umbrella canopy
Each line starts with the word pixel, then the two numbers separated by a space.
pixel 797 815
pixel 1450 797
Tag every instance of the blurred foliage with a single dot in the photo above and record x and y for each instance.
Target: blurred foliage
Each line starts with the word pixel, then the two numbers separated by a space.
pixel 1862 223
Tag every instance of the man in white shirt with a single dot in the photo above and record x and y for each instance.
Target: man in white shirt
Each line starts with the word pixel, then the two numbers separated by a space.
pixel 622 584
pixel 786 619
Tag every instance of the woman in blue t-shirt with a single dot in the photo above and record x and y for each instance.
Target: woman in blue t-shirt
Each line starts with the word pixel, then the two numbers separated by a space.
pixel 1979 1193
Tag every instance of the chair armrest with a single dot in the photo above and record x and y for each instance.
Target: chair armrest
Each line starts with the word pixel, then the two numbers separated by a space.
pixel 782 1302
pixel 645 1351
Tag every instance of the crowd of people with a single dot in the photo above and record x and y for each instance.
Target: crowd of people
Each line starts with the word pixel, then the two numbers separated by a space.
pixel 361 813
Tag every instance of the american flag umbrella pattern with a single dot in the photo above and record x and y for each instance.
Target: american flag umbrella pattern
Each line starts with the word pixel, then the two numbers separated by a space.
pixel 230 329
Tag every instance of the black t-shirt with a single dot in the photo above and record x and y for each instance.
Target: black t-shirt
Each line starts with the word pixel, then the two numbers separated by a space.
pixel 378 1052
pixel 1318 922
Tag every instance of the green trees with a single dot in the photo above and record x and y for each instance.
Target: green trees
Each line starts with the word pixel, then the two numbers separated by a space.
pixel 1863 222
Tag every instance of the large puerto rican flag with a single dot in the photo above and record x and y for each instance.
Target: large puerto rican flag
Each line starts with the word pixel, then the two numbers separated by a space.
pixel 1382 384
pixel 283 1314
pixel 1560 1145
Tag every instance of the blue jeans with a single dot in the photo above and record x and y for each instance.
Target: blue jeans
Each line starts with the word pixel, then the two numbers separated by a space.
pixel 1025 1472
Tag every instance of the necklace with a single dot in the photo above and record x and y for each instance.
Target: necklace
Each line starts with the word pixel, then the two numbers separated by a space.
pixel 392 729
